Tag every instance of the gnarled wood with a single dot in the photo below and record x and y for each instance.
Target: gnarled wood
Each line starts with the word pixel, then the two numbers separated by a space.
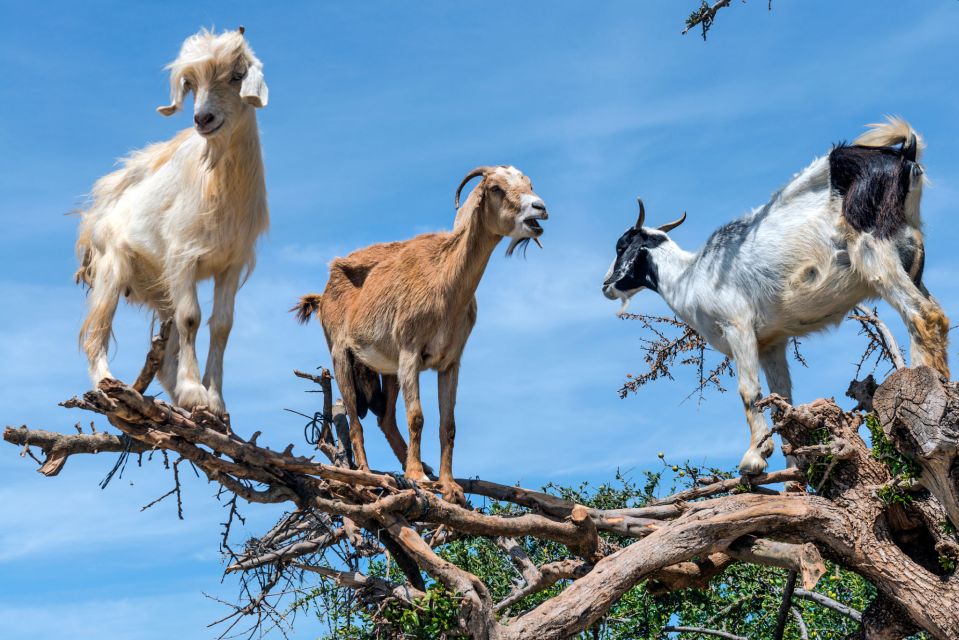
pixel 678 542
pixel 919 413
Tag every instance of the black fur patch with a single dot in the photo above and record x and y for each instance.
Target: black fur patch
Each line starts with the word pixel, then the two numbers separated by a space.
pixel 873 183
pixel 912 256
pixel 368 389
pixel 634 266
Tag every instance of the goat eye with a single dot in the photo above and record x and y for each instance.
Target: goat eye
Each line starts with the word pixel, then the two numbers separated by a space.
pixel 497 189
pixel 237 76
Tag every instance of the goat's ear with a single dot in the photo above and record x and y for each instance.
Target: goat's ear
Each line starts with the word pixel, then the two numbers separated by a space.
pixel 254 90
pixel 178 96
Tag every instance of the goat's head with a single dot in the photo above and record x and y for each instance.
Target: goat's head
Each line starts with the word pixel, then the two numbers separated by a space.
pixel 505 204
pixel 225 77
pixel 634 267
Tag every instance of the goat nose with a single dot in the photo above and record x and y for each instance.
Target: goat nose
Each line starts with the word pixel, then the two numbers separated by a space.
pixel 203 119
pixel 539 205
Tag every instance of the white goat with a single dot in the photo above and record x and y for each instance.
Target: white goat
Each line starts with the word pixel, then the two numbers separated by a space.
pixel 182 211
pixel 845 229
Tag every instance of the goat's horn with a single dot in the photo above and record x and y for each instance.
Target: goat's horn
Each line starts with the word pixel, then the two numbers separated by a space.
pixel 478 171
pixel 669 226
pixel 642 214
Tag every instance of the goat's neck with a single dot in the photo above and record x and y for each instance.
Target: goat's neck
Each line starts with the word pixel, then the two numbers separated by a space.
pixel 673 281
pixel 235 164
pixel 466 256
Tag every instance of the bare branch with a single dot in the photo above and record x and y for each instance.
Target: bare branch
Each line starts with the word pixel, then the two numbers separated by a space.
pixel 706 632
pixel 154 358
pixel 829 603
pixel 785 605
pixel 704 16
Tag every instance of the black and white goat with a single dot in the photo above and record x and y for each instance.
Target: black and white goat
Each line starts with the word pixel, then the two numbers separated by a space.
pixel 845 229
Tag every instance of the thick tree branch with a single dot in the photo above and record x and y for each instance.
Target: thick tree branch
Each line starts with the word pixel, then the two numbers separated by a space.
pixel 679 541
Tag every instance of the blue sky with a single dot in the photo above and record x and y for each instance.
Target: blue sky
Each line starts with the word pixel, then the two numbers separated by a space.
pixel 376 111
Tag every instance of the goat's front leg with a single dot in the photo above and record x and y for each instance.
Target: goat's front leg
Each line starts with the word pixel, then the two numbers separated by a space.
pixel 388 424
pixel 410 364
pixel 745 351
pixel 446 383
pixel 221 322
pixel 189 391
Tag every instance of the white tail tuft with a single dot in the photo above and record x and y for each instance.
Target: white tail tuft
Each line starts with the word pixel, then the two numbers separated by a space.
pixel 893 131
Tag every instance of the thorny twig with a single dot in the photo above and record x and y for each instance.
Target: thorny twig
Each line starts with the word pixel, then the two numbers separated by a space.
pixel 705 15
pixel 881 343
pixel 662 352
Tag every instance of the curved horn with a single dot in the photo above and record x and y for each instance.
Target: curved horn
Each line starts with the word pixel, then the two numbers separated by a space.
pixel 669 226
pixel 478 171
pixel 642 214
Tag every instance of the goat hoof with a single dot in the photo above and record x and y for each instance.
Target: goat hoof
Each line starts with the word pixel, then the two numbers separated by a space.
pixel 768 447
pixel 215 404
pixel 453 493
pixel 417 476
pixel 192 395
pixel 752 463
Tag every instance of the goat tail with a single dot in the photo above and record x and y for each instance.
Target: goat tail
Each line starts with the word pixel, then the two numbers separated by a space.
pixel 893 131
pixel 96 330
pixel 309 305
pixel 85 252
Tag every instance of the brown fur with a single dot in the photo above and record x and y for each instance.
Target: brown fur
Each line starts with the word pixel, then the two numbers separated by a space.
pixel 401 307
pixel 932 329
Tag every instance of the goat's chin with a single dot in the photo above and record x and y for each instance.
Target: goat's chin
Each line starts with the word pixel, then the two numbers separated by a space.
pixel 211 133
pixel 623 296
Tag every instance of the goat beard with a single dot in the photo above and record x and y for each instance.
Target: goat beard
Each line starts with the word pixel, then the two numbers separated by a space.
pixel 521 242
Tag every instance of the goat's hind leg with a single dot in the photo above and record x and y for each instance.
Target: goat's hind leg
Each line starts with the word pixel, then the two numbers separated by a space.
pixel 98 325
pixel 344 380
pixel 896 275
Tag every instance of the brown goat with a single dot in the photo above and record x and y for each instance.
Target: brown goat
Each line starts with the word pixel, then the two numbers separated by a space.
pixel 398 308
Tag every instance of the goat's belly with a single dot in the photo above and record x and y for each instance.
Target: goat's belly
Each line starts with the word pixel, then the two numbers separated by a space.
pixel 377 360
pixel 816 300
pixel 812 313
